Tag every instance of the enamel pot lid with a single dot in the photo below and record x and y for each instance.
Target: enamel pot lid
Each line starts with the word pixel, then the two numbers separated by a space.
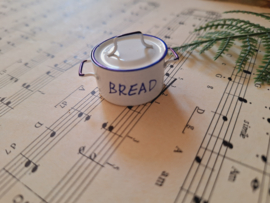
pixel 129 52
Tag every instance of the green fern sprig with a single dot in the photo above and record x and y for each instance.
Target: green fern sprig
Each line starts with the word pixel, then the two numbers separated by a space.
pixel 262 15
pixel 226 31
pixel 208 46
pixel 248 50
pixel 198 43
pixel 237 25
pixel 211 35
pixel 224 46
pixel 264 70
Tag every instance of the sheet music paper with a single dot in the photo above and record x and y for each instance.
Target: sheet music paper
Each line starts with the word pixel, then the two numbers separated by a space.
pixel 205 139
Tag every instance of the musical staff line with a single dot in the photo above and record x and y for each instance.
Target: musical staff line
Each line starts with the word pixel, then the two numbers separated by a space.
pixel 81 86
pixel 44 143
pixel 202 184
pixel 71 180
pixel 57 131
pixel 26 186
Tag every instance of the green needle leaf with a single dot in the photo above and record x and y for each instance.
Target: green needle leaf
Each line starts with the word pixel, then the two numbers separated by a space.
pixel 226 31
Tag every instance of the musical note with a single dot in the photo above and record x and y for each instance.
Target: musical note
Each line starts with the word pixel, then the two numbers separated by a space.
pixel 47 54
pixel 49 74
pixel 3 72
pixel 227 144
pixel 10 43
pixel 50 55
pixel 35 168
pixel 13 78
pixel 198 159
pixel 110 128
pixel 247 72
pixel 24 37
pixel 26 64
pixel 104 125
pixel 80 114
pixel 92 156
pixel 264 158
pixel 242 99
pixel 81 150
pixel 29 162
pixel 87 118
pixel 25 85
pixel 196 199
pixel 53 133
pixel 255 184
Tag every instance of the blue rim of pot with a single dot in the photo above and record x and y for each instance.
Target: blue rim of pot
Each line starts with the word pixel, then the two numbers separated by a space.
pixel 93 59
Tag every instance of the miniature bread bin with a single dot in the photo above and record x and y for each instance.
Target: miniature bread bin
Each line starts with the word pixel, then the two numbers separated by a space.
pixel 129 68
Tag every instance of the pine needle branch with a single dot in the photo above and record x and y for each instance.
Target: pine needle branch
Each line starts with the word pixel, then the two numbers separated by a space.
pixel 232 22
pixel 263 72
pixel 226 31
pixel 198 43
pixel 248 49
pixel 224 46
pixel 262 15
pixel 208 46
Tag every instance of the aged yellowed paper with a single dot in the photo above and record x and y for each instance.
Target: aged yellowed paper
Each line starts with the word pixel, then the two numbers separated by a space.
pixel 205 139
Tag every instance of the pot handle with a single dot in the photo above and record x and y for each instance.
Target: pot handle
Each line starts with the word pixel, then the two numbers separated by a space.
pixel 176 57
pixel 131 33
pixel 81 67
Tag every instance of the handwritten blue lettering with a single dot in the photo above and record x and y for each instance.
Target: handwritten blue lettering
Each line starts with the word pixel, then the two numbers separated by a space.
pixel 142 88
pixel 122 89
pixel 151 86
pixel 112 86
pixel 132 90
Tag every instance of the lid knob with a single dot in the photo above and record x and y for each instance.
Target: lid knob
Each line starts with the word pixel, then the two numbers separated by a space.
pixel 131 33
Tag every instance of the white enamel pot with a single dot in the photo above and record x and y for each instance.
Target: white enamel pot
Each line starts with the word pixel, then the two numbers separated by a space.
pixel 129 68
